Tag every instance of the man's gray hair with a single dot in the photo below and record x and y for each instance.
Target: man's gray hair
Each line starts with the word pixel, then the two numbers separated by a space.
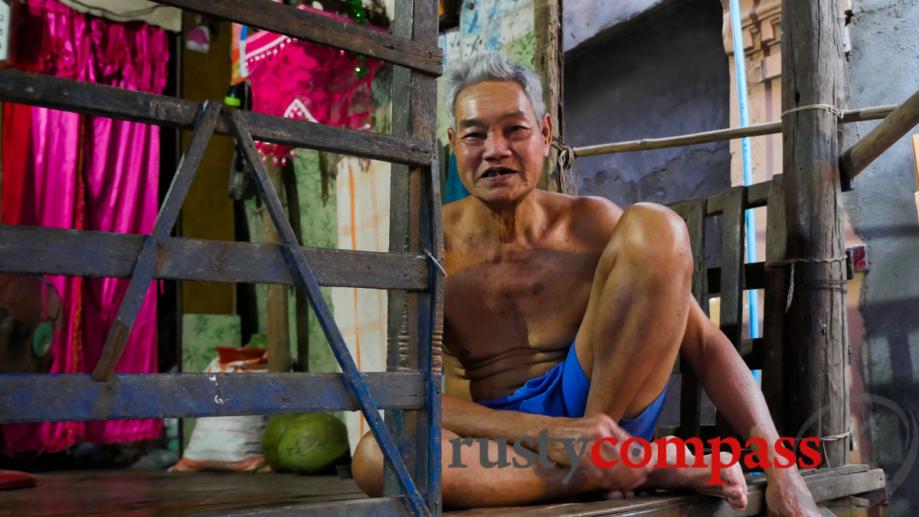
pixel 490 66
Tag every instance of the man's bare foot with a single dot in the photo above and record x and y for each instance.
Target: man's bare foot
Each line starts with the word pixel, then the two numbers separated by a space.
pixel 604 471
pixel 733 487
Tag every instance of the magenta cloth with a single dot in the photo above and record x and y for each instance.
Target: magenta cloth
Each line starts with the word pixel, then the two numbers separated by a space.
pixel 97 174
pixel 307 81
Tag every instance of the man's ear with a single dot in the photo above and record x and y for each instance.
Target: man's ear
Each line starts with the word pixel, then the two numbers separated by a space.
pixel 545 128
pixel 451 135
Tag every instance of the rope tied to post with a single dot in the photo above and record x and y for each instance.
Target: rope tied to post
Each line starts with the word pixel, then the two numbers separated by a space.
pixel 835 110
pixel 564 165
pixel 791 274
pixel 832 438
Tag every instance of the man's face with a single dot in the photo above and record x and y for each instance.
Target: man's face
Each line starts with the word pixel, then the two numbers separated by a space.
pixel 500 147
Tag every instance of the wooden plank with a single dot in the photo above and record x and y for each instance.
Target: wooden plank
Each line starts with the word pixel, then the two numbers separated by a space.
pixel 815 324
pixel 381 506
pixel 691 389
pixel 401 308
pixel 902 120
pixel 732 265
pixel 306 280
pixel 53 398
pixel 757 196
pixel 129 492
pixel 774 307
pixel 731 285
pixel 32 249
pixel 825 485
pixel 306 25
pixel 118 103
pixel 115 341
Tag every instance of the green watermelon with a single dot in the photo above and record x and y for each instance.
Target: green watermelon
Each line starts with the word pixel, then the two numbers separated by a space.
pixel 307 442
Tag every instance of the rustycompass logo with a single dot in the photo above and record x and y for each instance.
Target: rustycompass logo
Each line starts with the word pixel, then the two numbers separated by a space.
pixel 636 452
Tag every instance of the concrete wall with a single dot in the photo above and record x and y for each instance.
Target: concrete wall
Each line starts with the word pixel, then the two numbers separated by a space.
pixel 662 73
pixel 585 19
pixel 883 69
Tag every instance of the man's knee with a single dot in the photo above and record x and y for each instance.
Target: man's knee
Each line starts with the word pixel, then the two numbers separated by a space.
pixel 367 466
pixel 655 239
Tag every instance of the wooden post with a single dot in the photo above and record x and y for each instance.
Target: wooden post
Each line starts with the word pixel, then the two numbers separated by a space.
pixel 414 336
pixel 815 324
pixel 277 332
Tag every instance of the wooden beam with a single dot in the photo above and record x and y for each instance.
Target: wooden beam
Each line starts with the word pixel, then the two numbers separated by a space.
pixel 55 398
pixel 118 103
pixel 321 29
pixel 896 125
pixel 815 323
pixel 36 250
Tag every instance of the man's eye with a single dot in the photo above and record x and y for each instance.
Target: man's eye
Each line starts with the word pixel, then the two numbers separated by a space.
pixel 473 136
pixel 519 129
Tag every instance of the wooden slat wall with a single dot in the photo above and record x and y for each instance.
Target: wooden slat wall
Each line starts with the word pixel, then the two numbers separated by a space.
pixel 732 260
pixel 416 234
pixel 730 280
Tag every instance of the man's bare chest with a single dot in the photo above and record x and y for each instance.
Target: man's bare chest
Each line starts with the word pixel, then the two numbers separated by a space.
pixel 529 299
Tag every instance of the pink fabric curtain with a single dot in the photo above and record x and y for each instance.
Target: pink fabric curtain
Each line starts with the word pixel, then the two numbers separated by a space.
pixel 88 173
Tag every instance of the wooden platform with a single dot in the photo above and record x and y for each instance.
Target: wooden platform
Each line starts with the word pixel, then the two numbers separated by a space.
pixel 145 492
pixel 826 486
pixel 139 492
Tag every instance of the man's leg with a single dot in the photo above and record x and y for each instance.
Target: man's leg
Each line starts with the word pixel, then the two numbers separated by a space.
pixel 633 327
pixel 636 315
pixel 472 484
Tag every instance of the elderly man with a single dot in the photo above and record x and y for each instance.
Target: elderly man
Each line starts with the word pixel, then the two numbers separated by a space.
pixel 564 315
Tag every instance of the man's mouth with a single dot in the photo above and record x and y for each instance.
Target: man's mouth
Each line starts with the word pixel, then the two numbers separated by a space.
pixel 496 172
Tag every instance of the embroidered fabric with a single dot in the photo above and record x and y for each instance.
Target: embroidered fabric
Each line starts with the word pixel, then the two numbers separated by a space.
pixel 306 81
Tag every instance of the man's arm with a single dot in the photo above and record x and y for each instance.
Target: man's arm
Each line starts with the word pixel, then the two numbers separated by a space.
pixel 468 419
pixel 729 383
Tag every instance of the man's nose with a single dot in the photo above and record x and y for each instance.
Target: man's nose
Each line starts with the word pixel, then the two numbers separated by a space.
pixel 496 147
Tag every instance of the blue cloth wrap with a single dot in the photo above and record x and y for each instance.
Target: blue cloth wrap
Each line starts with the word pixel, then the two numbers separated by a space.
pixel 562 391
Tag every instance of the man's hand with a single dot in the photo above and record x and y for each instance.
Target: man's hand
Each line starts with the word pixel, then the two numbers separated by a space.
pixel 787 496
pixel 583 433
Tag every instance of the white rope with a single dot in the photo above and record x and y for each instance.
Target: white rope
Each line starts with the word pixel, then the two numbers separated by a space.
pixel 828 107
pixel 832 438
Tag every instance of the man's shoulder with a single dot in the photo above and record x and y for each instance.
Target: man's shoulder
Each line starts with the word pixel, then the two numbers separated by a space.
pixel 586 213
